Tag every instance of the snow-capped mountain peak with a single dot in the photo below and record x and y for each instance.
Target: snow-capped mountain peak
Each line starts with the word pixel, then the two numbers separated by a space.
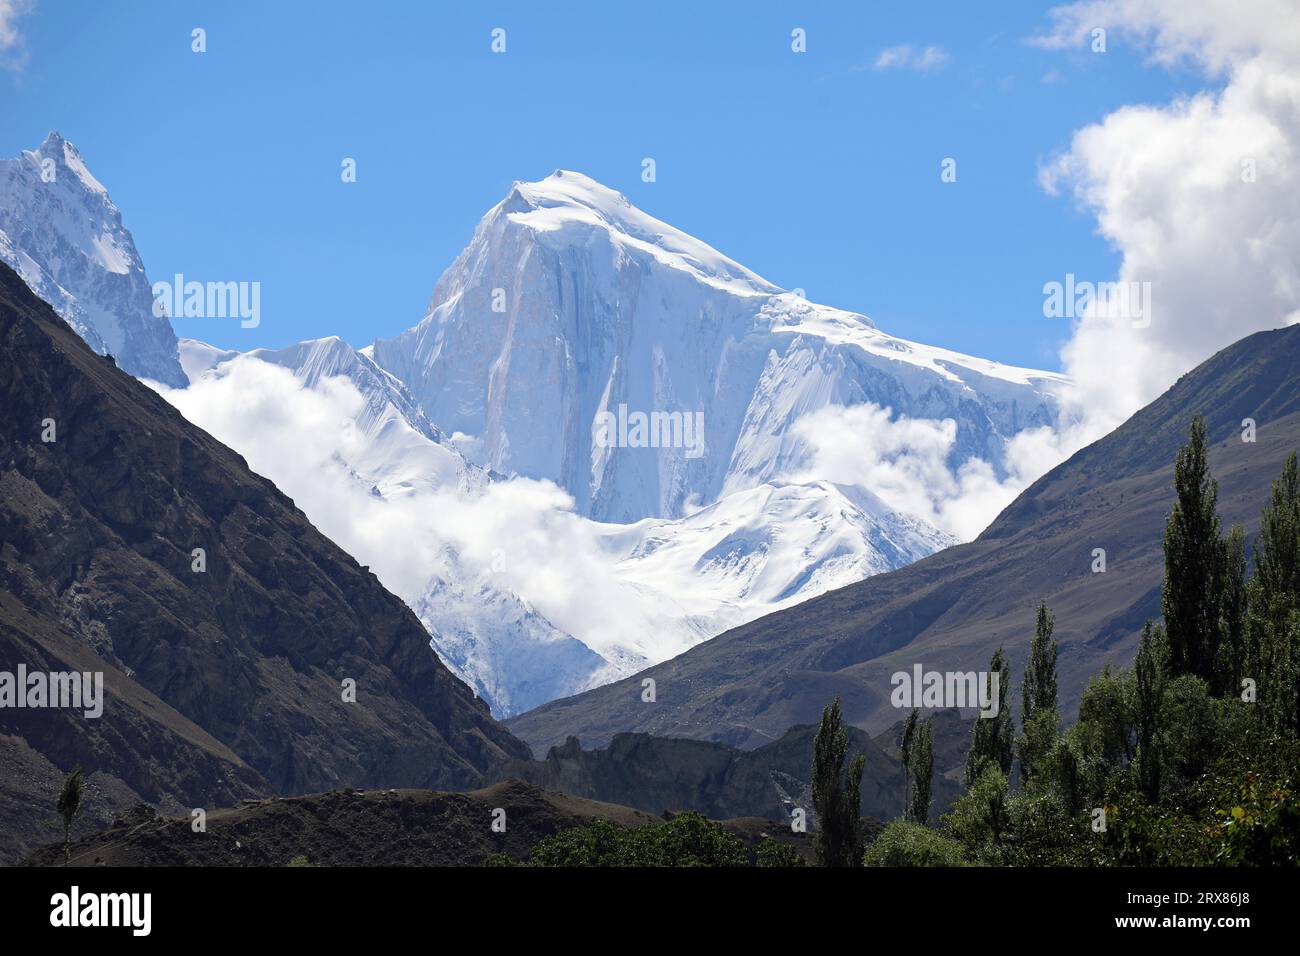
pixel 571 307
pixel 62 233
pixel 566 204
pixel 66 156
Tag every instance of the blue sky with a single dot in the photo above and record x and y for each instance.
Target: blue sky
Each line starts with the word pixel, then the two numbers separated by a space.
pixel 816 170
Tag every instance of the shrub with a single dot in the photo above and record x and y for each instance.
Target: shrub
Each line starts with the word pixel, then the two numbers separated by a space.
pixel 774 853
pixel 904 843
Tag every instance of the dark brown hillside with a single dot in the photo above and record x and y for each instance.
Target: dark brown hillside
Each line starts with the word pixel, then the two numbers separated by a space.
pixel 952 610
pixel 219 684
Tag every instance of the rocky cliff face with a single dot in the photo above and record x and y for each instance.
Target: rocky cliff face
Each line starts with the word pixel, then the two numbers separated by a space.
pixel 233 679
pixel 673 774
pixel 660 774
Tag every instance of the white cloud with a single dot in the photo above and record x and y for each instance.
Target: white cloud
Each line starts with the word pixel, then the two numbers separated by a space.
pixel 1170 188
pixel 904 461
pixel 1215 34
pixel 1201 196
pixel 11 40
pixel 908 57
pixel 297 437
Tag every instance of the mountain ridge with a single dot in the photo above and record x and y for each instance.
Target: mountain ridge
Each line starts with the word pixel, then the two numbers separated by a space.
pixel 236 673
pixel 697 543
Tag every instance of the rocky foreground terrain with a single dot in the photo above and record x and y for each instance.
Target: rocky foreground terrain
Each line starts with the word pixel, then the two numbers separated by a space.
pixel 366 828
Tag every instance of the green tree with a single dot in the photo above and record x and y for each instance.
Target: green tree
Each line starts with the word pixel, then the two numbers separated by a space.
pixel 991 741
pixel 837 793
pixel 1191 720
pixel 1038 715
pixel 774 853
pixel 1104 736
pixel 599 843
pixel 68 805
pixel 1273 619
pixel 922 773
pixel 1233 612
pixel 1277 558
pixel 1150 674
pixel 1193 563
pixel 980 819
pixel 1038 692
pixel 690 839
pixel 687 839
pixel 906 744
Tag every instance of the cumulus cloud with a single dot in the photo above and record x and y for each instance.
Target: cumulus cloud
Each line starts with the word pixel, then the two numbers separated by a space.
pixel 1216 34
pixel 1201 196
pixel 908 57
pixel 904 461
pixel 301 439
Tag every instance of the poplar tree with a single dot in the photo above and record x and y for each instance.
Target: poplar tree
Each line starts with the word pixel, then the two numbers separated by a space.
pixel 1273 628
pixel 991 741
pixel 1038 692
pixel 1038 714
pixel 1233 614
pixel 837 794
pixel 68 804
pixel 1150 673
pixel 922 773
pixel 905 751
pixel 1193 561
